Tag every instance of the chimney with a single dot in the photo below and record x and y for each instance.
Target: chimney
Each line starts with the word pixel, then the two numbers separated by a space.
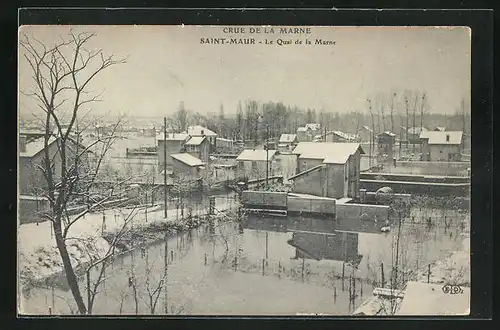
pixel 447 137
pixel 202 132
pixel 22 143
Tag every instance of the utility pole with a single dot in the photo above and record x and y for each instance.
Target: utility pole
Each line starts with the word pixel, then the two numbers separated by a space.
pixel 422 118
pixel 165 162
pixel 407 127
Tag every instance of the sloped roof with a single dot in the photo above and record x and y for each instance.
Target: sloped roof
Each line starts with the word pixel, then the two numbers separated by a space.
pixel 312 169
pixel 284 138
pixel 196 130
pixel 429 299
pixel 438 137
pixel 301 129
pixel 255 155
pixel 416 130
pixel 313 126
pixel 173 136
pixel 439 128
pixel 330 152
pixel 35 146
pixel 387 133
pixel 188 159
pixel 195 140
pixel 346 136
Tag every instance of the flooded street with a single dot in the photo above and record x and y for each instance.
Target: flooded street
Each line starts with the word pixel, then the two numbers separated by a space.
pixel 229 269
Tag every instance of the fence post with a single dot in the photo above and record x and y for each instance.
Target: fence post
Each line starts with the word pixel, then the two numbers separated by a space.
pixel 53 299
pixel 343 273
pixel 303 262
pixel 429 273
pixel 361 287
pixel 263 262
pixel 334 294
pixel 205 259
pixel 383 277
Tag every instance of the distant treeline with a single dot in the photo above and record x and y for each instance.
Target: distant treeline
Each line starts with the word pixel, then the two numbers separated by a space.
pixel 255 120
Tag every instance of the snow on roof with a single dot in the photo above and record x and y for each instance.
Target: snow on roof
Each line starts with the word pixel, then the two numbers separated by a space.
pixel 284 138
pixel 35 146
pixel 346 136
pixel 313 127
pixel 387 133
pixel 439 128
pixel 417 130
pixel 173 136
pixel 195 140
pixel 197 130
pixel 256 155
pixel 446 137
pixel 188 159
pixel 301 129
pixel 225 140
pixel 430 299
pixel 330 152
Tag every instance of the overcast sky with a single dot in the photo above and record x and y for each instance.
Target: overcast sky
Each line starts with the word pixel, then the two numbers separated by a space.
pixel 168 64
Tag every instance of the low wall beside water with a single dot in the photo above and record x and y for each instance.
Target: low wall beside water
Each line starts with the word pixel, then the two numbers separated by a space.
pixel 264 199
pixel 346 211
pixel 429 168
pixel 312 205
pixel 421 188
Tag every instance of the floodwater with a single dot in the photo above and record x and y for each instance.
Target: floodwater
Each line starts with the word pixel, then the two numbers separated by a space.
pixel 256 268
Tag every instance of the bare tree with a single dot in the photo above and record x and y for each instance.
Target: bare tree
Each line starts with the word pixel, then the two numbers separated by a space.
pixel 62 73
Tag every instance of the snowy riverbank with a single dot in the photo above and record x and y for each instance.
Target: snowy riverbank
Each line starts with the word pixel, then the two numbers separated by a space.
pixel 38 257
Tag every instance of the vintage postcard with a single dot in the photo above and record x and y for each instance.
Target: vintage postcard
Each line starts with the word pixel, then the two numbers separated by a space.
pixel 244 170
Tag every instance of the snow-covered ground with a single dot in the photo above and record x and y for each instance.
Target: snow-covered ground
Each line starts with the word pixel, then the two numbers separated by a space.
pixel 38 256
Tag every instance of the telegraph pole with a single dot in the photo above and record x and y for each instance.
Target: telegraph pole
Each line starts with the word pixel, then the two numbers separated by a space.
pixel 422 118
pixel 407 127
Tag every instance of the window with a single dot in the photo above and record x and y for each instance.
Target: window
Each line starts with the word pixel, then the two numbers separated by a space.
pixel 304 165
pixel 254 166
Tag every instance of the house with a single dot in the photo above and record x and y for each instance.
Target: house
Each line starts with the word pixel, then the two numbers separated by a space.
pixel 186 166
pixel 198 146
pixel 307 132
pixel 366 134
pixel 413 134
pixel 252 163
pixel 225 144
pixel 197 130
pixel 149 131
pixel 174 143
pixel 385 145
pixel 224 169
pixel 328 169
pixel 31 159
pixel 442 146
pixel 287 142
pixel 336 136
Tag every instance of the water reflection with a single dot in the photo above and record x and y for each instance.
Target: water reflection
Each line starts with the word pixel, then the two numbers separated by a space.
pixel 259 266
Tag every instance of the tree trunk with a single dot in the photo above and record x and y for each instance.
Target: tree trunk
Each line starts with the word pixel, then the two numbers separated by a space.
pixel 70 274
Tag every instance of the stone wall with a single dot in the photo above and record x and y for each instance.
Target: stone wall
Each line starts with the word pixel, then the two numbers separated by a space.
pixel 346 211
